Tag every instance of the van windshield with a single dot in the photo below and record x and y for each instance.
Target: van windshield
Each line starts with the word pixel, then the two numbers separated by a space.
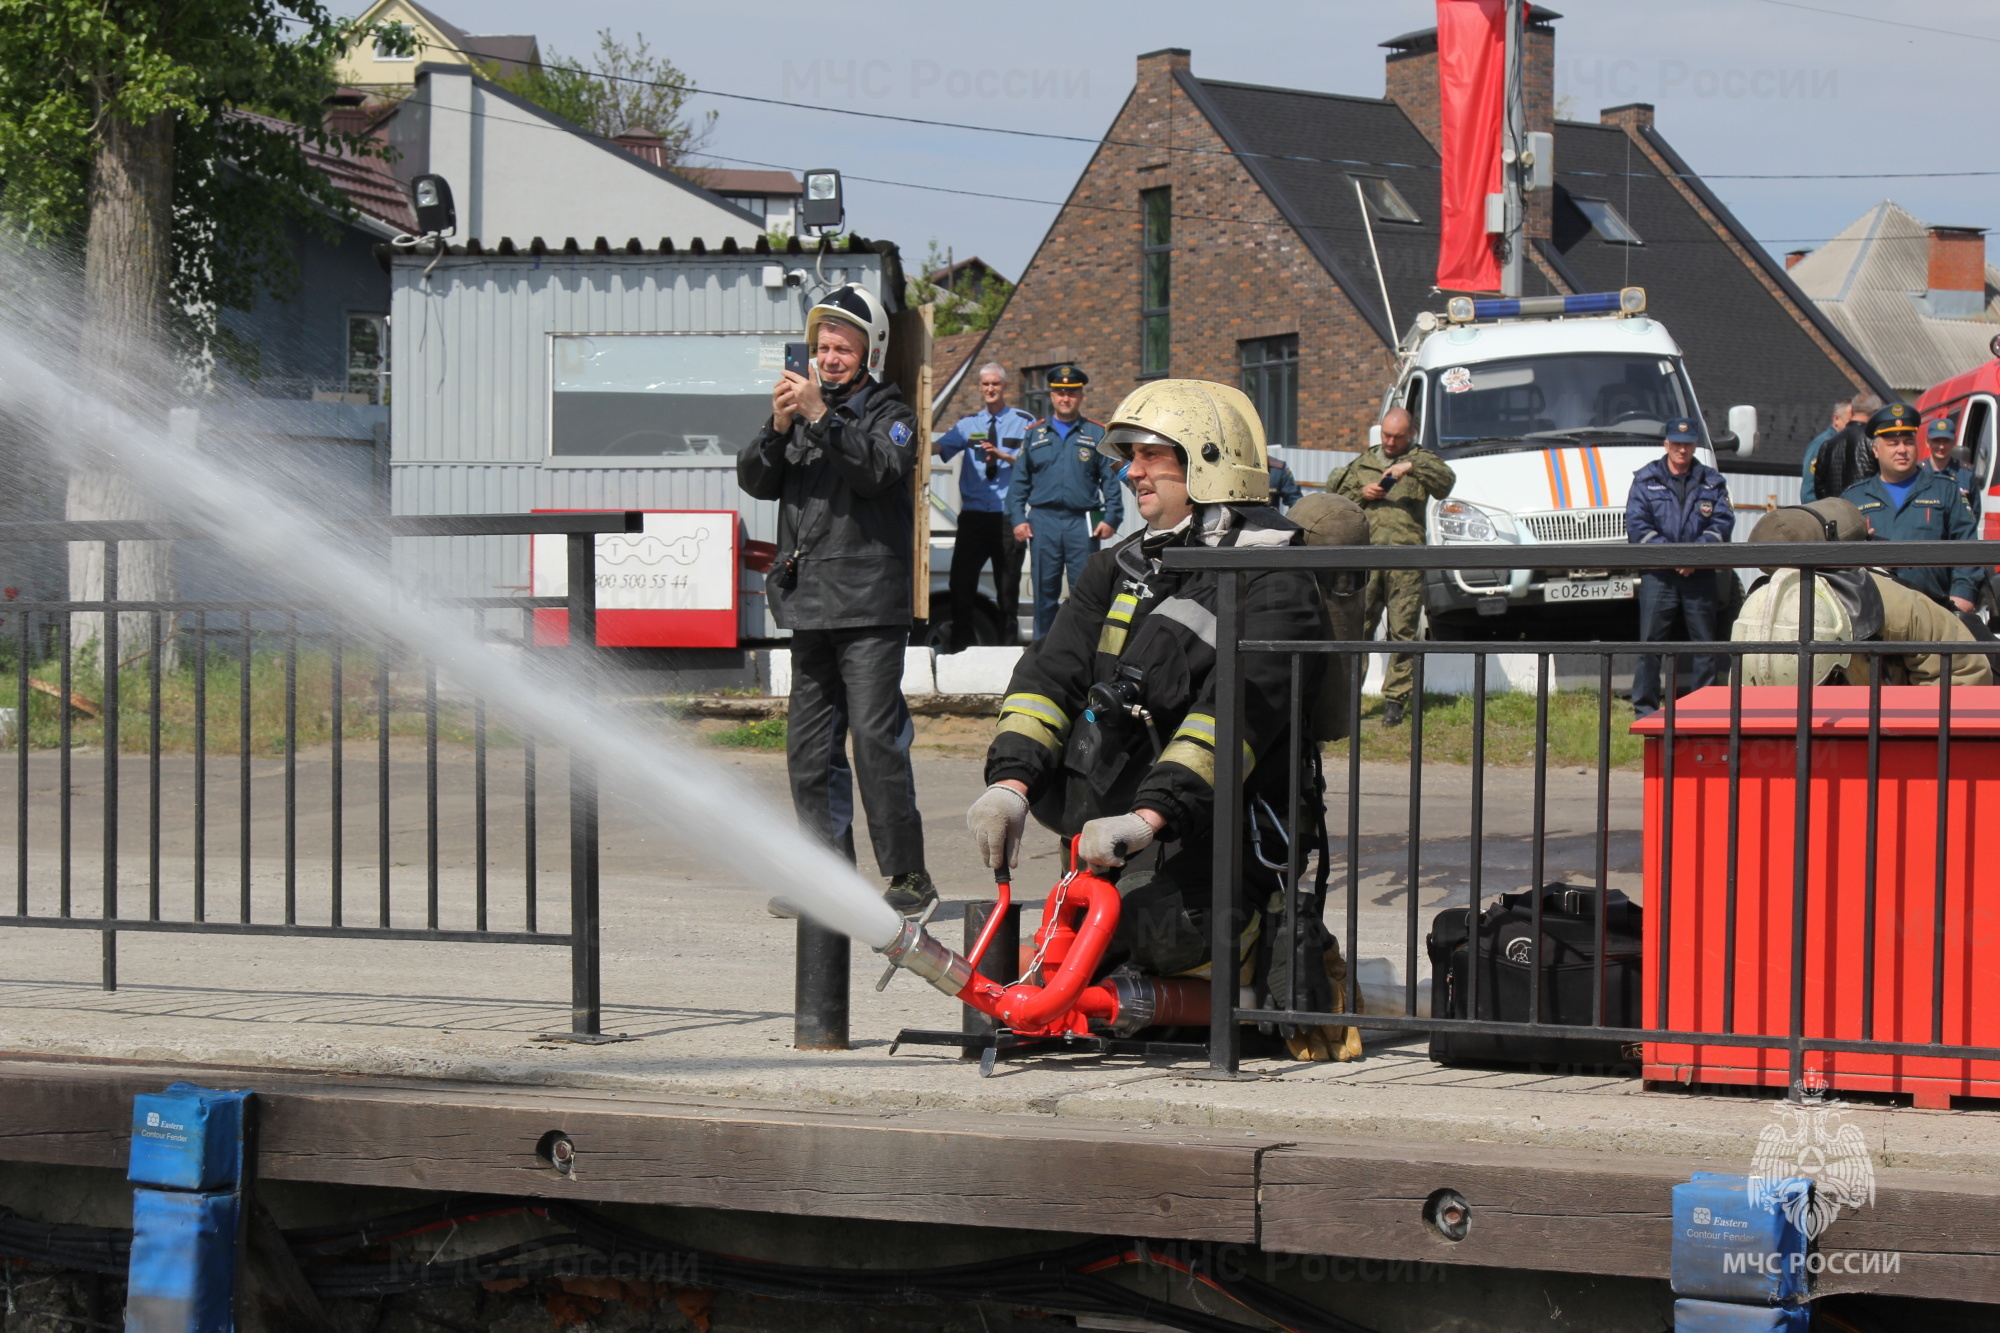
pixel 1550 401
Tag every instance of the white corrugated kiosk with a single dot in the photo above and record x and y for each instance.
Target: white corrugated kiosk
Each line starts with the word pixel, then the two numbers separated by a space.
pixel 592 376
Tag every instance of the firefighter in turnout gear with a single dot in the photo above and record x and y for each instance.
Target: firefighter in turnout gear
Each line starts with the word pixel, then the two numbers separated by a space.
pixel 1109 725
pixel 1391 482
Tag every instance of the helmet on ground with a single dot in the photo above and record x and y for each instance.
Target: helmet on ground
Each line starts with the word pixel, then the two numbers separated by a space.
pixel 856 306
pixel 1830 520
pixel 1771 615
pixel 1215 428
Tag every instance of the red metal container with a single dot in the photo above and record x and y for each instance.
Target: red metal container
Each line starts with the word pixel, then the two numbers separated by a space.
pixel 1688 919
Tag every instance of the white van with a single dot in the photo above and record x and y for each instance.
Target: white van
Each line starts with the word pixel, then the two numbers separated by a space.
pixel 1545 407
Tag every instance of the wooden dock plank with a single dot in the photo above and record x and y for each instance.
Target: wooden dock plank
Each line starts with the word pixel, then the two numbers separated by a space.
pixel 1570 1211
pixel 1553 1209
pixel 983 1170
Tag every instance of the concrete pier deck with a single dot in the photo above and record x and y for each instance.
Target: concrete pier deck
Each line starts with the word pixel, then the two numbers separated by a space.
pixel 408 1064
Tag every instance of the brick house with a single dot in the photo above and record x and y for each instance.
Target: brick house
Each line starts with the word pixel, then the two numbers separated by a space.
pixel 1217 232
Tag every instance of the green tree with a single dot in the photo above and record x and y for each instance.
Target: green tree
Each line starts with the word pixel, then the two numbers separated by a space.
pixel 170 144
pixel 625 87
pixel 960 307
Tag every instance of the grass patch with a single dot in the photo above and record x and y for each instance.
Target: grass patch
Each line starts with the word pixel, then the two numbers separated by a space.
pixel 766 733
pixel 222 707
pixel 1510 732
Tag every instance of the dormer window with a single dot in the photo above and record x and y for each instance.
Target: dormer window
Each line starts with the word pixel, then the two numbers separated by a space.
pixel 1609 222
pixel 1385 201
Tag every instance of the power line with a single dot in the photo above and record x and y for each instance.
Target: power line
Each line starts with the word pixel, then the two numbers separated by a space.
pixel 1887 23
pixel 1321 228
pixel 691 90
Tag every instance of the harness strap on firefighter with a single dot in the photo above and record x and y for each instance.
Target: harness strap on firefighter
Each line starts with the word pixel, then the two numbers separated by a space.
pixel 1117 624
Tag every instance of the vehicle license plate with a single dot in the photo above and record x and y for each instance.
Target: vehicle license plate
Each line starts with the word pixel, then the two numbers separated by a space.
pixel 1591 590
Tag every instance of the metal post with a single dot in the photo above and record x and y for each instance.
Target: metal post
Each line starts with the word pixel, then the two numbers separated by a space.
pixel 1513 141
pixel 110 661
pixel 1002 962
pixel 1227 868
pixel 819 992
pixel 584 961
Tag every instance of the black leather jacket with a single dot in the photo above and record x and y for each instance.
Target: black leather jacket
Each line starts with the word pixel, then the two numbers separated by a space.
pixel 843 489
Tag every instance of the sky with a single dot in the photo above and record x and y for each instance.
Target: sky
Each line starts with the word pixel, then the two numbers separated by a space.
pixel 1743 87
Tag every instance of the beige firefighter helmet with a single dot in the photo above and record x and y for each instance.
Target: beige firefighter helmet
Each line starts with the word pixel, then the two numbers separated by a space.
pixel 1771 615
pixel 1215 427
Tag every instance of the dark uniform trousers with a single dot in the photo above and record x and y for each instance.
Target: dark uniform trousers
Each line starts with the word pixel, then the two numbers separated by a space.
pixel 1674 606
pixel 985 538
pixel 852 680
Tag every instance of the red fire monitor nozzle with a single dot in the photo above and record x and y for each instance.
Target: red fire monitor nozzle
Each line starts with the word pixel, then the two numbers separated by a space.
pixel 1078 921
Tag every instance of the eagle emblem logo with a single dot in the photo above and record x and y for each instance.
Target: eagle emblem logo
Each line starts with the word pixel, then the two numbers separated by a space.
pixel 1811 1143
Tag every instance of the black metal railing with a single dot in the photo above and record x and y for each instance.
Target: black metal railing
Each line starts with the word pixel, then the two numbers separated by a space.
pixel 1665 930
pixel 262 642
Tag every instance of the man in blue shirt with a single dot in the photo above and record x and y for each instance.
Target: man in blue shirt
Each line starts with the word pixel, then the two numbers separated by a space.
pixel 990 439
pixel 1906 500
pixel 1058 479
pixel 1676 499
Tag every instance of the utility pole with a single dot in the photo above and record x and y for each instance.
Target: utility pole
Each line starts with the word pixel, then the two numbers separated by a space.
pixel 1513 145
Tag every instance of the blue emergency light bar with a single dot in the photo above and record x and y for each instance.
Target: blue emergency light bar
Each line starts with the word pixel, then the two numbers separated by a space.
pixel 1628 301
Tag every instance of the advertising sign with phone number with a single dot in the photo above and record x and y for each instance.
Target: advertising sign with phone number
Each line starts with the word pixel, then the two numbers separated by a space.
pixel 671 586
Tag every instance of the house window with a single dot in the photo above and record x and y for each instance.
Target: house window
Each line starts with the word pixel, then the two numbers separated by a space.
pixel 368 357
pixel 1271 379
pixel 753 204
pixel 1156 280
pixel 1035 392
pixel 1609 222
pixel 1385 201
pixel 393 36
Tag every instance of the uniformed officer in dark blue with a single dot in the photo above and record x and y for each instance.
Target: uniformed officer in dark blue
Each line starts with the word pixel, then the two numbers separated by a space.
pixel 1058 479
pixel 1908 500
pixel 1677 498
pixel 1941 435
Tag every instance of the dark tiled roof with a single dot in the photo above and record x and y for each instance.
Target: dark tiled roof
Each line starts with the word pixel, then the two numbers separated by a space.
pixel 1274 124
pixel 1742 345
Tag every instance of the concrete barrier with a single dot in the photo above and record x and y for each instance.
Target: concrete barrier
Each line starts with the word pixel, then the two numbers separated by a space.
pixel 1451 673
pixel 988 670
pixel 976 670
pixel 919 675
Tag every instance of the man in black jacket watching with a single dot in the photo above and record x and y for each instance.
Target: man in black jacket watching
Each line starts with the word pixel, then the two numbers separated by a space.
pixel 836 455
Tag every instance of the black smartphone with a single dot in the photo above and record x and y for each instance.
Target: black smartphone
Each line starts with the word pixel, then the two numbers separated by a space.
pixel 798 360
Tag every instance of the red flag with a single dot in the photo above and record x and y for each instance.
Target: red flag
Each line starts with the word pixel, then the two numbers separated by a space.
pixel 1472 88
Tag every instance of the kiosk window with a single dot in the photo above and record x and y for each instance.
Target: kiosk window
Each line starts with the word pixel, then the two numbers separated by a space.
pixel 660 394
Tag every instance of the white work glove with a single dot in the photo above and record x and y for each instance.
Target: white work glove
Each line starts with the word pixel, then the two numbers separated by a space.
pixel 1108 841
pixel 997 820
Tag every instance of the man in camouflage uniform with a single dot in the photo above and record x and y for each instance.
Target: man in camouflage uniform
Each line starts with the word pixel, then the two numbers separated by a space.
pixel 1391 482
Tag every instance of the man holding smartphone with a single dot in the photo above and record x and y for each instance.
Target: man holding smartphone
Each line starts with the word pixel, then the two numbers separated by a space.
pixel 836 455
pixel 991 440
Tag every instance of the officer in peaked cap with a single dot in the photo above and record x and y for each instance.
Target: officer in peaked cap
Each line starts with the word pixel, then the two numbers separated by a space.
pixel 1939 437
pixel 1908 500
pixel 1059 478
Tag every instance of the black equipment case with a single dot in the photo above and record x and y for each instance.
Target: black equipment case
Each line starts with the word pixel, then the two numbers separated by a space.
pixel 1507 954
